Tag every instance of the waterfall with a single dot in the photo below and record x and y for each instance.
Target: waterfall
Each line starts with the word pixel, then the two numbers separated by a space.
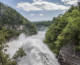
pixel 37 52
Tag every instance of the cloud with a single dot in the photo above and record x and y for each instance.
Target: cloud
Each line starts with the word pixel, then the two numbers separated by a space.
pixel 41 14
pixel 70 2
pixel 38 5
pixel 32 14
pixel 37 0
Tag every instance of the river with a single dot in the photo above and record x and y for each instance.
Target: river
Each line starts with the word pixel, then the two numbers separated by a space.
pixel 37 52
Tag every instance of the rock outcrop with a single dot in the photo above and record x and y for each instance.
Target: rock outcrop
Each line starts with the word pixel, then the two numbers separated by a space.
pixel 67 55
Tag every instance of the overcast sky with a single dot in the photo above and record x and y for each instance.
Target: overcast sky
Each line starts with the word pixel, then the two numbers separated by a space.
pixel 39 10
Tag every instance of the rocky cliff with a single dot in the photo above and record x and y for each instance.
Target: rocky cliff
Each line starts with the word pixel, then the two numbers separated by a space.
pixel 68 56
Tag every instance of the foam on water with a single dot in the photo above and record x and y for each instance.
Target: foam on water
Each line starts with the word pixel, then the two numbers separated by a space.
pixel 37 52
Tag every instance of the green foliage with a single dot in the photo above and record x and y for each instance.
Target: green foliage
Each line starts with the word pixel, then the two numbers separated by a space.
pixel 65 29
pixel 42 24
pixel 11 25
pixel 14 21
pixel 4 59
pixel 20 53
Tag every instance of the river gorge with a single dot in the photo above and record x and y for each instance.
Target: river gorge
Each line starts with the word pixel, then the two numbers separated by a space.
pixel 37 52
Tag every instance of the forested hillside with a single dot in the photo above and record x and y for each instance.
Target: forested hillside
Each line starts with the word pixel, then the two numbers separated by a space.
pixel 11 25
pixel 12 20
pixel 64 30
pixel 42 24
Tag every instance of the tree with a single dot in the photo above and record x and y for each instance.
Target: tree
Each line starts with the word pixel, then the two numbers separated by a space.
pixel 65 29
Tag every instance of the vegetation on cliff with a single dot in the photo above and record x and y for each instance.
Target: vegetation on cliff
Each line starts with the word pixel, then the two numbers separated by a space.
pixel 42 24
pixel 4 58
pixel 11 25
pixel 19 54
pixel 65 29
pixel 13 21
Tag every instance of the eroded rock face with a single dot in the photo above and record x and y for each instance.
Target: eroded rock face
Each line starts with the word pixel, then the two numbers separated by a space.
pixel 68 56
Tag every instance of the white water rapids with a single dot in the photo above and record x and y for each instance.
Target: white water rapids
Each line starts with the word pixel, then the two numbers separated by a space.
pixel 37 52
